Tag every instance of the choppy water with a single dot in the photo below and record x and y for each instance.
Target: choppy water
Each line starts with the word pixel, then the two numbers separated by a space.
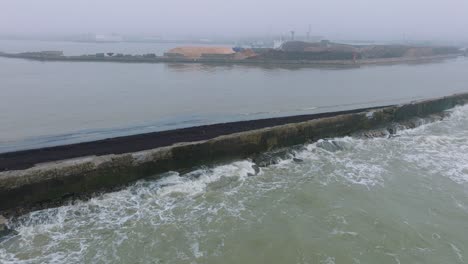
pixel 396 200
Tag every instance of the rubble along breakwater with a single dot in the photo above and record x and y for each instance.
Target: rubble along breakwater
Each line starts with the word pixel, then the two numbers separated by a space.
pixel 28 179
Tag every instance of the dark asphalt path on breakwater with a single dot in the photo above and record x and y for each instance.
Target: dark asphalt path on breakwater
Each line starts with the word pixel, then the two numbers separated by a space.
pixel 28 158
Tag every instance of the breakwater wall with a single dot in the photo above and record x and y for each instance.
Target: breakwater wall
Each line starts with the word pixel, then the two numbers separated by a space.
pixel 50 175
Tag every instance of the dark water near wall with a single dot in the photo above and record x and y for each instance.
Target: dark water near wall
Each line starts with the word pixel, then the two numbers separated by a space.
pixel 397 200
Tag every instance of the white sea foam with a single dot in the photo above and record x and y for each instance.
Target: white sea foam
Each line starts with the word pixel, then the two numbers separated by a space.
pixel 457 252
pixel 188 210
pixel 186 184
pixel 157 202
pixel 328 260
pixel 352 162
pixel 336 232
pixel 395 257
pixel 440 148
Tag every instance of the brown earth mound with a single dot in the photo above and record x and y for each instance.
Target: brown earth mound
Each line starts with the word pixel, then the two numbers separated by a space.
pixel 197 52
pixel 247 53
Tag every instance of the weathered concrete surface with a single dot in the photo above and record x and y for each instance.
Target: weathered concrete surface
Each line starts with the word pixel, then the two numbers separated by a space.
pixel 25 159
pixel 55 181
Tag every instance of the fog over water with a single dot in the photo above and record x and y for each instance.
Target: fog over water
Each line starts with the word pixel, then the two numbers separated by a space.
pixel 396 199
pixel 369 19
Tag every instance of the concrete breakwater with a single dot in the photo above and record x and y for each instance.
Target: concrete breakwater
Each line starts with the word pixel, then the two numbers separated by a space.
pixel 214 60
pixel 51 175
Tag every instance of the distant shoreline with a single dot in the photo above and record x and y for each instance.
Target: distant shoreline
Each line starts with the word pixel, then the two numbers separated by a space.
pixel 165 59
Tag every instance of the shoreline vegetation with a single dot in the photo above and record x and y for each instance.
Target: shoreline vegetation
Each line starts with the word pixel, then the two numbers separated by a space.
pixel 292 53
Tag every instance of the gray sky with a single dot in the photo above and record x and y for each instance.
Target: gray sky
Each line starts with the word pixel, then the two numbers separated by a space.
pixel 372 19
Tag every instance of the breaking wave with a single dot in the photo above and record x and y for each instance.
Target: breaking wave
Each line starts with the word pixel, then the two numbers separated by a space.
pixel 193 216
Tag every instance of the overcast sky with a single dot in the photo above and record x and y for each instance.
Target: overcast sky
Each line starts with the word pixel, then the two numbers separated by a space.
pixel 371 19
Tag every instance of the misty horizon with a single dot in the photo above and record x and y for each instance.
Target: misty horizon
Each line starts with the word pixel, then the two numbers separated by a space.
pixel 362 19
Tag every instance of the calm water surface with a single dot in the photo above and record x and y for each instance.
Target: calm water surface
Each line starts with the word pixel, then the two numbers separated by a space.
pixel 52 103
